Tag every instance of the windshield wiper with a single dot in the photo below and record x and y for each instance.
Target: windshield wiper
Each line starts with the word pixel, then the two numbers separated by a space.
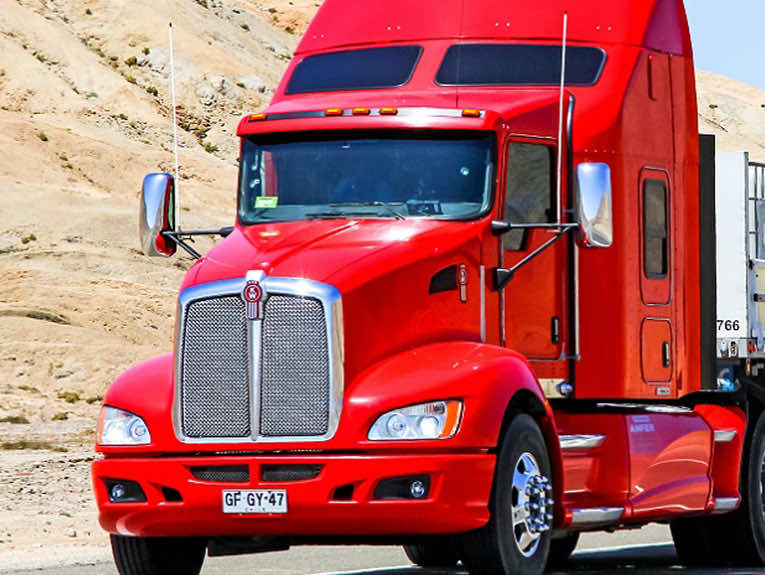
pixel 387 207
pixel 337 215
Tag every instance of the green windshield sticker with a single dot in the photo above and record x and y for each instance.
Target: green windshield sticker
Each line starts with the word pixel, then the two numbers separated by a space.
pixel 266 202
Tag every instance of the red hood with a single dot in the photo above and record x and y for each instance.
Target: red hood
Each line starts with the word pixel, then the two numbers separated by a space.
pixel 343 253
pixel 383 269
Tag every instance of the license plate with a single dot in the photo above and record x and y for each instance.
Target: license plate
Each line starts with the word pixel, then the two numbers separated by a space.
pixel 255 501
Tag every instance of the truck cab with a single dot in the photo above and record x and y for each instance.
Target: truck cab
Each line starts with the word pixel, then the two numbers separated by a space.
pixel 463 307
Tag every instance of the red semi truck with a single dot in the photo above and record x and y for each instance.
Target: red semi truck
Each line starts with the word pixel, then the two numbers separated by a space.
pixel 464 308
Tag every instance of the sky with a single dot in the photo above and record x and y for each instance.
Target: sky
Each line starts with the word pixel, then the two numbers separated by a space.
pixel 729 38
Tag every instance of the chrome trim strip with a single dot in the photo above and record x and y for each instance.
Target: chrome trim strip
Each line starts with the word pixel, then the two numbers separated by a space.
pixel 331 300
pixel 581 442
pixel 255 333
pixel 725 435
pixel 483 304
pixel 575 348
pixel 726 503
pixel 596 515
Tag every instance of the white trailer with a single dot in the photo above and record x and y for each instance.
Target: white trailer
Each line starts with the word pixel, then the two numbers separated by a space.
pixel 740 233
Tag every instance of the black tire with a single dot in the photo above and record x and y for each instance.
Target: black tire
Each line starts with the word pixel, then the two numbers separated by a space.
pixel 738 537
pixel 695 541
pixel 158 556
pixel 561 550
pixel 493 549
pixel 433 552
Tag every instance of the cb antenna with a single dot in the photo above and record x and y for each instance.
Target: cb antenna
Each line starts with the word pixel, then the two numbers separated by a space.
pixel 175 134
pixel 560 116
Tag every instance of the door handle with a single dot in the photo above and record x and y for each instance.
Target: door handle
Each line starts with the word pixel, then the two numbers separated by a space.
pixel 555 330
pixel 666 358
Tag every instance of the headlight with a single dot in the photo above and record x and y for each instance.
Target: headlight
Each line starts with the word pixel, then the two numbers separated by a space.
pixel 118 427
pixel 436 420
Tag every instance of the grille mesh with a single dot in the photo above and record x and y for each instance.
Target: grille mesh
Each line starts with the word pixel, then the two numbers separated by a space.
pixel 222 473
pixel 215 395
pixel 286 473
pixel 294 395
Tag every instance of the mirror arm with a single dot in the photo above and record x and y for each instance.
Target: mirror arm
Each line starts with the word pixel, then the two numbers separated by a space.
pixel 223 232
pixel 503 276
pixel 500 228
pixel 176 237
pixel 179 237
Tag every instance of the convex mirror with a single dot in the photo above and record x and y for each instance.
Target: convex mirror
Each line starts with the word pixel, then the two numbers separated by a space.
pixel 157 215
pixel 593 205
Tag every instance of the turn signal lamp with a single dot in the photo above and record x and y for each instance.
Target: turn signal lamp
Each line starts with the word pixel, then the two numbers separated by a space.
pixel 334 112
pixel 389 111
pixel 471 113
pixel 361 111
pixel 258 117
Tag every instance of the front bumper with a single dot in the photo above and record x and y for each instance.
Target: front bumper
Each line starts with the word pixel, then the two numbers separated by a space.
pixel 458 498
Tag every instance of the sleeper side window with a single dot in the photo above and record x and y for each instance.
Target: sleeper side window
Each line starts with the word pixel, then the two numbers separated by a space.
pixel 529 190
pixel 655 222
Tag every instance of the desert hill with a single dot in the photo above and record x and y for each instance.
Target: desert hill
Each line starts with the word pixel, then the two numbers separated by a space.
pixel 84 114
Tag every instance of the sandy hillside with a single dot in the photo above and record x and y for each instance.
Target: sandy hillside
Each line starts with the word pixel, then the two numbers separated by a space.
pixel 733 111
pixel 84 114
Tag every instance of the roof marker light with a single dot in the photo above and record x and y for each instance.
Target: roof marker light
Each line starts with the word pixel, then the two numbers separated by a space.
pixel 471 113
pixel 388 111
pixel 258 117
pixel 334 112
pixel 361 111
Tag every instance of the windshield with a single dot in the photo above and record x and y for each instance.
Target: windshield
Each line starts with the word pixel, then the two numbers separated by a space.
pixel 445 175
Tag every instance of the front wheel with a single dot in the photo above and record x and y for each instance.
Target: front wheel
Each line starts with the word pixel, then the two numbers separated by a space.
pixel 561 550
pixel 433 552
pixel 517 538
pixel 158 556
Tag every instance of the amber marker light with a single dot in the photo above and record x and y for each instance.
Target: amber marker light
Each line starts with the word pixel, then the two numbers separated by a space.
pixel 453 419
pixel 361 111
pixel 389 111
pixel 471 113
pixel 334 112
pixel 258 117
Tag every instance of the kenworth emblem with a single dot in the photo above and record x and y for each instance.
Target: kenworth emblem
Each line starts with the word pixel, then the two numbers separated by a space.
pixel 253 297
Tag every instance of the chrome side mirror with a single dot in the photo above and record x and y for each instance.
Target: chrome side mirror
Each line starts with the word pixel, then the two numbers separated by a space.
pixel 593 205
pixel 157 215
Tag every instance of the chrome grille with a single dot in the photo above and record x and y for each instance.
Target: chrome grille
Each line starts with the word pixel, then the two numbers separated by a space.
pixel 215 390
pixel 295 386
pixel 259 380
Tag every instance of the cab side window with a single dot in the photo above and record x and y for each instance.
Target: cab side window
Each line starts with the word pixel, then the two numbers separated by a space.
pixel 529 190
pixel 656 245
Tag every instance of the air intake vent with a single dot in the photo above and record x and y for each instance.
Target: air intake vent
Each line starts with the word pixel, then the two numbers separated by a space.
pixel 279 473
pixel 222 474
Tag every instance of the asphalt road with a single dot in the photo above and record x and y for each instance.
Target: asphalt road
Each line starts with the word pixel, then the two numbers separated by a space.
pixel 644 552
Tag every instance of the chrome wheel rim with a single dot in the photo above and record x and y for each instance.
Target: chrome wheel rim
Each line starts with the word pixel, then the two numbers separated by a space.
pixel 531 504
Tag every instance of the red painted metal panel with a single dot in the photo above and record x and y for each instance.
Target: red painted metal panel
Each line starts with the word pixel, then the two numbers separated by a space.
pixel 341 23
pixel 597 477
pixel 655 336
pixel 726 460
pixel 670 457
pixel 458 500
